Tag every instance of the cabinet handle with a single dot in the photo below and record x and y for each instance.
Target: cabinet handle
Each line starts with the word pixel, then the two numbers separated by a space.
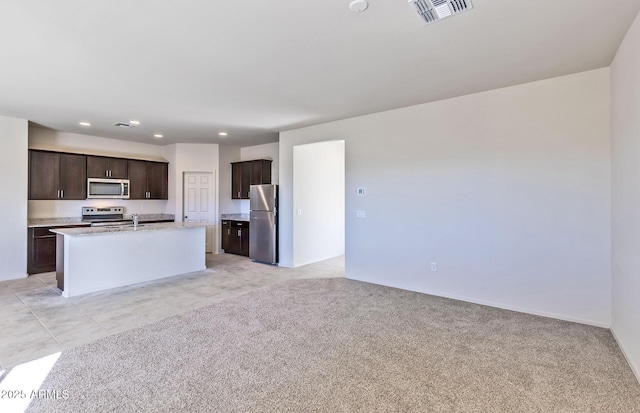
pixel 238 194
pixel 239 232
pixel 228 231
pixel 62 193
pixel 58 194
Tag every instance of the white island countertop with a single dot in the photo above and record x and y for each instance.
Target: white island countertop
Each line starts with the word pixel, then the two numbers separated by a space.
pixel 82 231
pixel 91 259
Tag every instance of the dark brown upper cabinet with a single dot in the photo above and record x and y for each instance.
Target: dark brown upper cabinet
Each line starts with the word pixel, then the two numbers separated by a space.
pixel 55 175
pixel 148 180
pixel 245 174
pixel 105 167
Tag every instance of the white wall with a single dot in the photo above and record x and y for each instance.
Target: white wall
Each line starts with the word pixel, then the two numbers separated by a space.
pixel 192 157
pixel 188 157
pixel 507 190
pixel 318 192
pixel 228 154
pixel 13 202
pixel 47 139
pixel 93 145
pixel 625 135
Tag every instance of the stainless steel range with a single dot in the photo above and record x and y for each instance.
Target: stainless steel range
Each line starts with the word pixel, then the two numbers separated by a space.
pixel 103 216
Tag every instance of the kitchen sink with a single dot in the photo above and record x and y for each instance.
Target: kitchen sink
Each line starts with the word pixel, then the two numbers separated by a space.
pixel 125 226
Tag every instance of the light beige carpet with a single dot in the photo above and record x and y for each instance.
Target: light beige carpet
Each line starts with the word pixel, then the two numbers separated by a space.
pixel 337 345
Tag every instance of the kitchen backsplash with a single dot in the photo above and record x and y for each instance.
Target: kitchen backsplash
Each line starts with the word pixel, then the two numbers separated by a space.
pixel 60 209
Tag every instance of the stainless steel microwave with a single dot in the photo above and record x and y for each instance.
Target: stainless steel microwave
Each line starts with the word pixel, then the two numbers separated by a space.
pixel 107 188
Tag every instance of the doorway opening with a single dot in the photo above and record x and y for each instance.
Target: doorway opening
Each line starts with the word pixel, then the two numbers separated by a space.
pixel 318 201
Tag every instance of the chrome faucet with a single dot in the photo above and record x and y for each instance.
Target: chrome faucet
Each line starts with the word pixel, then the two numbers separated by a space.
pixel 135 221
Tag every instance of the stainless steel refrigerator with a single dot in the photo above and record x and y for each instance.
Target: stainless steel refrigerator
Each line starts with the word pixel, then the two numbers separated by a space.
pixel 263 223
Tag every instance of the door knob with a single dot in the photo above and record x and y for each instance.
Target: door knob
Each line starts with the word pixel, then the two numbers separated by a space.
pixel 185 217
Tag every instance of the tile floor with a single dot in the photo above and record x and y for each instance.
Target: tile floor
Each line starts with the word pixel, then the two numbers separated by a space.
pixel 35 320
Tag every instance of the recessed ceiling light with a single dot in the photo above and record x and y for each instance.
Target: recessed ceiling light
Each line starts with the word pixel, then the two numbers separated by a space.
pixel 157 135
pixel 222 133
pixel 84 124
pixel 134 122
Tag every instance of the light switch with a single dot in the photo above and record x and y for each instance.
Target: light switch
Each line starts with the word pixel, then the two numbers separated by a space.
pixel 361 214
pixel 299 211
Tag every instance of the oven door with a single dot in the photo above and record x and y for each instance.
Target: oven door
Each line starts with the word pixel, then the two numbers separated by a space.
pixel 107 188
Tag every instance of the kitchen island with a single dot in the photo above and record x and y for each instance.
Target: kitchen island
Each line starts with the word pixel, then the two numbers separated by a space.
pixel 91 259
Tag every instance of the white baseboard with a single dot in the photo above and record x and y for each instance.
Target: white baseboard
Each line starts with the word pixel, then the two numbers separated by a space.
pixel 635 371
pixel 17 277
pixel 491 304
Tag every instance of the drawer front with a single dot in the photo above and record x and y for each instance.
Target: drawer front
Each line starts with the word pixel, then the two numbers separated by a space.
pixel 239 224
pixel 41 232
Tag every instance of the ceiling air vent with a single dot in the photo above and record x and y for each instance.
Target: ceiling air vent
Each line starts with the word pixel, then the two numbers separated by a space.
pixel 430 11
pixel 124 125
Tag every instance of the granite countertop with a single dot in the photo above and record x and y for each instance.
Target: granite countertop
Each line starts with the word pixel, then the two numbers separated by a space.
pixel 54 222
pixel 59 222
pixel 84 231
pixel 235 217
pixel 152 217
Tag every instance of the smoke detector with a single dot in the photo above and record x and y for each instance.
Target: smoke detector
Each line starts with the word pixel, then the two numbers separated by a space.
pixel 124 125
pixel 430 11
pixel 358 5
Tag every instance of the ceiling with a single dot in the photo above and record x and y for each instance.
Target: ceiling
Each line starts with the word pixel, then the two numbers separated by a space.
pixel 189 69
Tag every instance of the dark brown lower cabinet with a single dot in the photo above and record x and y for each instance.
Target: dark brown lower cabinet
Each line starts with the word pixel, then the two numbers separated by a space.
pixel 41 249
pixel 235 237
pixel 226 233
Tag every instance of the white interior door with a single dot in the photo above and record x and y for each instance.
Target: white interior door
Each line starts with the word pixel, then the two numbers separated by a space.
pixel 198 199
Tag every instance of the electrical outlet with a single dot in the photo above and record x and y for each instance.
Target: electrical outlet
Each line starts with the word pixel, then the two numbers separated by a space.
pixel 362 191
pixel 299 211
pixel 434 266
pixel 59 208
pixel 361 214
pixel 142 207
